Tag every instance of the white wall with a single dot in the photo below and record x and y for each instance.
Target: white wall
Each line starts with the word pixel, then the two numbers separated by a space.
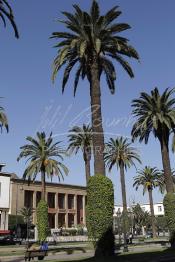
pixel 158 209
pixel 118 208
pixel 4 191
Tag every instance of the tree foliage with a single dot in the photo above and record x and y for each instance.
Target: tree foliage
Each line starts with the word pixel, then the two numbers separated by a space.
pixel 80 139
pixel 3 119
pixel 92 35
pixel 12 219
pixel 45 157
pixel 154 113
pixel 7 12
pixel 26 213
pixel 149 178
pixel 140 218
pixel 120 152
pixel 99 213
pixel 169 206
pixel 42 220
pixel 41 153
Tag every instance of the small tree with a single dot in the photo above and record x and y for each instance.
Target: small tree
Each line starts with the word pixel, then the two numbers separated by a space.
pixel 169 206
pixel 27 212
pixel 42 220
pixel 99 212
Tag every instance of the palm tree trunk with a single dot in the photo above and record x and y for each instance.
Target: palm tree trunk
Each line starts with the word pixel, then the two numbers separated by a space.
pixel 152 212
pixel 166 166
pixel 97 129
pixel 87 170
pixel 43 186
pixel 87 159
pixel 123 188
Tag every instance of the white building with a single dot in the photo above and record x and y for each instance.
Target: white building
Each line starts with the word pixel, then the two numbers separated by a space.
pixel 4 198
pixel 158 209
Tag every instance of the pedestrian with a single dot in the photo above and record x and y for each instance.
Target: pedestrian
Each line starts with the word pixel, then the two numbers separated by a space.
pixel 130 238
pixel 127 238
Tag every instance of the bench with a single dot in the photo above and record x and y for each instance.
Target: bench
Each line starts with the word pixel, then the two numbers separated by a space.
pixel 35 253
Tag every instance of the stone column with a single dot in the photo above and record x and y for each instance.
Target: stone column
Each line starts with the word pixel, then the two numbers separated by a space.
pixel 66 207
pixel 6 221
pixel 84 210
pixel 3 219
pixel 75 208
pixel 56 208
pixel 34 207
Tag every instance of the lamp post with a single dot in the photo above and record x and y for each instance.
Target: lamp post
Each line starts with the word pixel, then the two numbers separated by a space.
pixel 17 192
pixel 16 210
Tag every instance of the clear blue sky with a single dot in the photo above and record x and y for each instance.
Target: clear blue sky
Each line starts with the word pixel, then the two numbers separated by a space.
pixel 33 103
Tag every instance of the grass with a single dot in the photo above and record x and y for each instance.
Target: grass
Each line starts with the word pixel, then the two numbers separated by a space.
pixel 11 253
pixel 160 255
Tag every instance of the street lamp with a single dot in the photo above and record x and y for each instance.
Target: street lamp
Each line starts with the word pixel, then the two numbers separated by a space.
pixel 17 192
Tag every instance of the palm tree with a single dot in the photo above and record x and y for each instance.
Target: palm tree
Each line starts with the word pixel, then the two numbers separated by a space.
pixel 156 113
pixel 81 138
pixel 91 41
pixel 27 213
pixel 140 218
pixel 3 119
pixel 42 155
pixel 149 178
pixel 119 152
pixel 7 12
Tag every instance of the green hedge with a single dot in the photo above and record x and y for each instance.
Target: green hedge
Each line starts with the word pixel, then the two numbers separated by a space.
pixel 99 214
pixel 169 206
pixel 13 219
pixel 42 220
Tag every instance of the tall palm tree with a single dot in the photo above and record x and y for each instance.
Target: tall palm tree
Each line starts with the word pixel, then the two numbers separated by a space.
pixel 149 178
pixel 42 155
pixel 119 152
pixel 92 42
pixel 81 139
pixel 7 12
pixel 155 113
pixel 3 119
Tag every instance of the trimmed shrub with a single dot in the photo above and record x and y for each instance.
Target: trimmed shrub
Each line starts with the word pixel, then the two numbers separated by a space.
pixel 99 214
pixel 42 220
pixel 169 206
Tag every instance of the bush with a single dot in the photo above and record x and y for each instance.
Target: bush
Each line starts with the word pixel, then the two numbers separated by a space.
pixel 99 214
pixel 169 206
pixel 13 219
pixel 42 220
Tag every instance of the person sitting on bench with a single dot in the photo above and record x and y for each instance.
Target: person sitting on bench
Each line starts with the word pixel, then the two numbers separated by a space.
pixel 44 246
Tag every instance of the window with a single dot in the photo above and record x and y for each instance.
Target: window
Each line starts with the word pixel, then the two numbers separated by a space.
pixel 159 208
pixel 143 208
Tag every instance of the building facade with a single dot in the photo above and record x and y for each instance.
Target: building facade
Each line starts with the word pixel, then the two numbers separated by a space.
pixel 158 209
pixel 66 203
pixel 118 209
pixel 4 198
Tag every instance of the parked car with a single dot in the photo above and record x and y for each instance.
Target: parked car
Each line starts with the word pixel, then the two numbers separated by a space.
pixel 149 234
pixel 9 240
